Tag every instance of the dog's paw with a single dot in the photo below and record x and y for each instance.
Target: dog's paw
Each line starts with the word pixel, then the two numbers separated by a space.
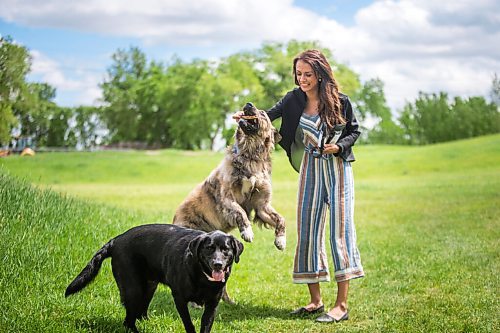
pixel 280 242
pixel 228 300
pixel 247 234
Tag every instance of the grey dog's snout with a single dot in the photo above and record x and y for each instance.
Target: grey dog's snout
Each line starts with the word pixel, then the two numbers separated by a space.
pixel 249 124
pixel 248 107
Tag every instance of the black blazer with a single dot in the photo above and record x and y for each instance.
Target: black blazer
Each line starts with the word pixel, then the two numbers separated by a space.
pixel 290 109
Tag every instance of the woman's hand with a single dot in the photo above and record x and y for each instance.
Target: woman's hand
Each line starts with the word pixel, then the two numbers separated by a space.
pixel 331 148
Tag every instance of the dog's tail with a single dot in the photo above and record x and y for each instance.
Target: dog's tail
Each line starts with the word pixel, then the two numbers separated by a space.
pixel 90 271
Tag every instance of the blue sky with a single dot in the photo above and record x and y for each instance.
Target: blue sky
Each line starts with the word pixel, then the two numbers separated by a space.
pixel 342 11
pixel 411 45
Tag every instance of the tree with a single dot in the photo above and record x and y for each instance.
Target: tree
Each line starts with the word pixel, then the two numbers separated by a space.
pixel 495 90
pixel 59 132
pixel 203 95
pixel 182 105
pixel 433 118
pixel 473 117
pixel 372 107
pixel 407 118
pixel 15 64
pixel 122 113
pixel 154 114
pixel 89 129
pixel 429 118
pixel 186 105
pixel 187 124
pixel 35 109
pixel 238 83
pixel 28 106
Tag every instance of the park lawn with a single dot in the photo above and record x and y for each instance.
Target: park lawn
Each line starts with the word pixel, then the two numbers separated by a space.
pixel 427 221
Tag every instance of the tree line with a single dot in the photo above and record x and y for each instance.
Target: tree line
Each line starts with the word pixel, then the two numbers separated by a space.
pixel 186 105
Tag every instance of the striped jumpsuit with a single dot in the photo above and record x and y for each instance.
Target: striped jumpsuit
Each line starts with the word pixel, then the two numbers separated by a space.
pixel 324 181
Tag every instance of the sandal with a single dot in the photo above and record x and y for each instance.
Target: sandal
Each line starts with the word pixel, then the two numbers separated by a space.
pixel 326 318
pixel 303 311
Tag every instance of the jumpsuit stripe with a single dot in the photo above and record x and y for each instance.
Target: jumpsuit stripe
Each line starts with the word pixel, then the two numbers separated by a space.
pixel 324 181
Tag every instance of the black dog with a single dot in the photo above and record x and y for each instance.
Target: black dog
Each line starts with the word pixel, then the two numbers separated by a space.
pixel 194 264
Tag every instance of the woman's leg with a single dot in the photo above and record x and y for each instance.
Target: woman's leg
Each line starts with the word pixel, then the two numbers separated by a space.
pixel 345 253
pixel 315 292
pixel 310 263
pixel 340 307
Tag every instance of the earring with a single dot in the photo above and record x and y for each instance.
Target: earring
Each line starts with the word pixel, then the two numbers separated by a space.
pixel 319 80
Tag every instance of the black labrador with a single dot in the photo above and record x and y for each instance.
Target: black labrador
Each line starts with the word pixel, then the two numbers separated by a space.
pixel 194 264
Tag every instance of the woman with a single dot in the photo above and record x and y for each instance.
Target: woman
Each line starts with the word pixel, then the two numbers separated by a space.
pixel 318 130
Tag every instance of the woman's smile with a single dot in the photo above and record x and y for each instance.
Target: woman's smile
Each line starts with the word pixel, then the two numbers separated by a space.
pixel 306 77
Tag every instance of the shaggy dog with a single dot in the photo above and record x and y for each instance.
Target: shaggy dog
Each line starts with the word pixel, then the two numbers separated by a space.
pixel 194 264
pixel 239 185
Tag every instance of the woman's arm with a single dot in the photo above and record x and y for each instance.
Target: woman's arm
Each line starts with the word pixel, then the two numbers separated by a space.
pixel 276 111
pixel 351 128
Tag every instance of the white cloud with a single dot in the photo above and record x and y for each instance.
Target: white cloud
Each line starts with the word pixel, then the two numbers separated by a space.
pixel 83 87
pixel 200 22
pixel 430 46
pixel 412 45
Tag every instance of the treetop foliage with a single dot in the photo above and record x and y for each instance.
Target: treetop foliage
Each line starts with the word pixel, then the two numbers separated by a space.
pixel 187 105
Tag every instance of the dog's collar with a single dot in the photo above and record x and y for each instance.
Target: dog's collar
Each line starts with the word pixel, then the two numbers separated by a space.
pixel 235 149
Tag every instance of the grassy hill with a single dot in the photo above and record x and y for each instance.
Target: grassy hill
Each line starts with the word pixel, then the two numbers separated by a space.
pixel 427 219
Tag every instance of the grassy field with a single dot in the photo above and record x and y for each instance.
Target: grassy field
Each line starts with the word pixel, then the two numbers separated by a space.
pixel 428 223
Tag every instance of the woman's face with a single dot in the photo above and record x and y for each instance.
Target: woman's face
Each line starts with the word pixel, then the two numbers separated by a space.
pixel 306 77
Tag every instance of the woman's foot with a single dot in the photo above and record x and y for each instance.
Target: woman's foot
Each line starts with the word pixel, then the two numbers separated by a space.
pixel 339 312
pixel 310 308
pixel 326 318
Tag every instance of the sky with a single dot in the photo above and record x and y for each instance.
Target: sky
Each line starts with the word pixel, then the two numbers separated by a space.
pixel 411 45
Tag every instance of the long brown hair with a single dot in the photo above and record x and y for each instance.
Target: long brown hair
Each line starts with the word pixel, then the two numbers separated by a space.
pixel 330 108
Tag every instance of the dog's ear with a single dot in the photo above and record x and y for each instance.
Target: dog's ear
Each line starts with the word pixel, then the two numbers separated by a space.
pixel 195 243
pixel 277 136
pixel 237 248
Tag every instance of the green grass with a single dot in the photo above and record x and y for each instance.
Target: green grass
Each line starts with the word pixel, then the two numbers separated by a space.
pixel 428 223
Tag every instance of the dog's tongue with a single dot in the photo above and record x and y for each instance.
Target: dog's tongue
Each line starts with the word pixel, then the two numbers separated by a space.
pixel 218 276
